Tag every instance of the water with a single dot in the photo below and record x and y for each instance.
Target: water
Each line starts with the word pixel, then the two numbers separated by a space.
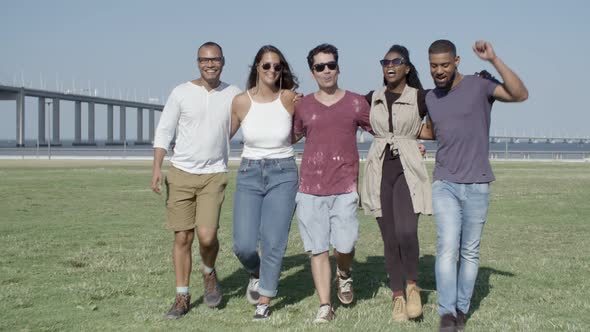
pixel 497 147
pixel 497 150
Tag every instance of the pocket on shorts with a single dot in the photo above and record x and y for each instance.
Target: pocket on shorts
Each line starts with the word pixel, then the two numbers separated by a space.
pixel 218 182
pixel 224 181
pixel 169 177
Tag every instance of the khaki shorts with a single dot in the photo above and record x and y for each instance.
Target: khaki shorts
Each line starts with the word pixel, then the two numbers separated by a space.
pixel 194 200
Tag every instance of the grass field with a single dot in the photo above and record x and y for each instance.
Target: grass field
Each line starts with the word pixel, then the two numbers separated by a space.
pixel 82 247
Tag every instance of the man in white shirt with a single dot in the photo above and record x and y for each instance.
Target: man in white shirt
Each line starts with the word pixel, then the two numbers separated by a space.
pixel 199 112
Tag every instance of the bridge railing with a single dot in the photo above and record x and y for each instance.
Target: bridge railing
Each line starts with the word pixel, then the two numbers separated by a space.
pixel 133 152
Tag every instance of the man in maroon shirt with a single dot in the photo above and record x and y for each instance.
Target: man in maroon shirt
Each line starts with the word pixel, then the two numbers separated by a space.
pixel 327 198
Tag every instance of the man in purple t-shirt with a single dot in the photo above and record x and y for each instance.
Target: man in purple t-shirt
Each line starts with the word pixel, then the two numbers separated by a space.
pixel 459 108
pixel 327 199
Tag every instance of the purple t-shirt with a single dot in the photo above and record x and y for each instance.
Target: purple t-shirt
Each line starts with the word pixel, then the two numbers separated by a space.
pixel 461 120
pixel 330 162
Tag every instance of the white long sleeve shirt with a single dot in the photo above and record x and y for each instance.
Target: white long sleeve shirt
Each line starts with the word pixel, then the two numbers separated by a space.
pixel 201 120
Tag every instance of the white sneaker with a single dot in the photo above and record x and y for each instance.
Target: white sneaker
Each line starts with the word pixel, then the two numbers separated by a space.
pixel 252 294
pixel 325 314
pixel 262 312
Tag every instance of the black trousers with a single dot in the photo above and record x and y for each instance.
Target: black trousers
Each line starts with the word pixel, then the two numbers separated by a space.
pixel 398 224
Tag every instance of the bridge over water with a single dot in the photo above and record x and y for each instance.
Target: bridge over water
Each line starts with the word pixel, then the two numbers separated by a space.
pixel 539 139
pixel 55 99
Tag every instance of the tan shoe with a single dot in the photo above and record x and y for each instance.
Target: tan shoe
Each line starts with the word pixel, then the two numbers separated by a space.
pixel 399 309
pixel 414 306
pixel 344 289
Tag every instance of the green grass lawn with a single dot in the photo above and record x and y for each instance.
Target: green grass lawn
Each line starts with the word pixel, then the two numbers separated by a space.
pixel 83 247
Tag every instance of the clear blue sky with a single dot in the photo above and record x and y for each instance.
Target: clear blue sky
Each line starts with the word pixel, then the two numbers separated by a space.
pixel 139 47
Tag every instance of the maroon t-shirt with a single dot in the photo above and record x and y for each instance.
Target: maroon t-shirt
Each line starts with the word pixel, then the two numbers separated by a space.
pixel 330 162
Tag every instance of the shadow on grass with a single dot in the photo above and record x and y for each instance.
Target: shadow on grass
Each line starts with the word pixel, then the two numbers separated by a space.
pixel 368 276
pixel 298 286
pixel 294 287
pixel 427 281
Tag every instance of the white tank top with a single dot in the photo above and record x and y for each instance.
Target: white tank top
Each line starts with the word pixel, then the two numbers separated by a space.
pixel 267 130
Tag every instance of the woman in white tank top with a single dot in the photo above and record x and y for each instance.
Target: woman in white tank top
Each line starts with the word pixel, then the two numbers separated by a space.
pixel 267 179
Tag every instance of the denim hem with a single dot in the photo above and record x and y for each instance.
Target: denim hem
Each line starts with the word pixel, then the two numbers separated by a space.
pixel 442 312
pixel 267 293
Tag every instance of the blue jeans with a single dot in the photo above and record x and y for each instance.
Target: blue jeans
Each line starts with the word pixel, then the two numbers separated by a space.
pixel 264 203
pixel 460 212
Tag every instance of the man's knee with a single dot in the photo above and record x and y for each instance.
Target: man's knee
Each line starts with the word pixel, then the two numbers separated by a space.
pixel 208 239
pixel 184 238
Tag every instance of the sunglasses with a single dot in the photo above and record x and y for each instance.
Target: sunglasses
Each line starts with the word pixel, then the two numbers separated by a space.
pixel 395 62
pixel 216 60
pixel 277 66
pixel 332 65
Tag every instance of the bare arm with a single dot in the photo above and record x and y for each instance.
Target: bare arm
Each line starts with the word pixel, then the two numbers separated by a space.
pixel 156 184
pixel 298 131
pixel 164 134
pixel 239 107
pixel 364 119
pixel 289 98
pixel 235 123
pixel 513 89
pixel 427 131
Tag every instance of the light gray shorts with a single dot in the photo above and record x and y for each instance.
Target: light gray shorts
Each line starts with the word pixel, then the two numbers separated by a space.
pixel 328 220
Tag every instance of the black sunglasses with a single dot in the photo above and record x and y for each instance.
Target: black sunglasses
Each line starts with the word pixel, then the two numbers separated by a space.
pixel 395 62
pixel 332 65
pixel 277 66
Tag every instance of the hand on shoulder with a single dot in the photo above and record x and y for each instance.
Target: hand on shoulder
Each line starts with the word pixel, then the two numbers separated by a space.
pixel 486 75
pixel 289 97
pixel 288 94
